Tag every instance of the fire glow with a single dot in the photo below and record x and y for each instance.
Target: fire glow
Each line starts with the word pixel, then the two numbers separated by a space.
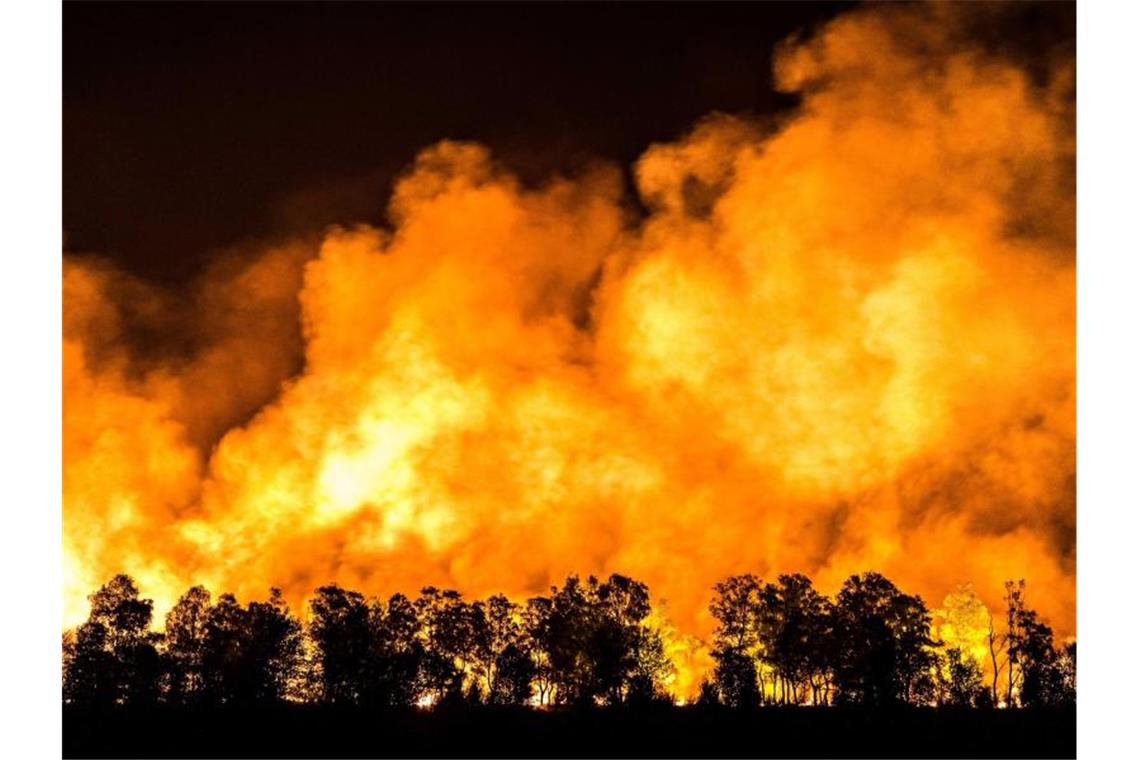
pixel 837 342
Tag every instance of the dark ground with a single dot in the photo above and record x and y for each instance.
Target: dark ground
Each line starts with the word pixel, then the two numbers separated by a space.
pixel 486 732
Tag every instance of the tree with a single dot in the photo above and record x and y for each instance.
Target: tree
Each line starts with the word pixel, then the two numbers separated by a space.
pixel 736 605
pixel 118 608
pixel 185 641
pixel 272 648
pixel 1067 665
pixel 1042 667
pixel 449 629
pixel 1041 670
pixel 515 674
pixel 500 652
pixel 536 622
pixel 997 644
pixel 339 627
pixel 89 667
pixel 964 682
pixel 1015 608
pixel 965 625
pixel 225 680
pixel 395 654
pixel 709 695
pixel 793 619
pixel 735 678
pixel 113 657
pixel 651 667
pixel 594 638
pixel 883 644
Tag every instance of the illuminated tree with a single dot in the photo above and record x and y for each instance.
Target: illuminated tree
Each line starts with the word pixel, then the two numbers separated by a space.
pixel 1068 669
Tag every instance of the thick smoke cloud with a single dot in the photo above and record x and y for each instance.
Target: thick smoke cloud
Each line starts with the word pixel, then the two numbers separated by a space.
pixel 840 342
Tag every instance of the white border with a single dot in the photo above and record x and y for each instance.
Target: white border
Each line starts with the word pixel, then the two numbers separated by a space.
pixel 30 285
pixel 1108 375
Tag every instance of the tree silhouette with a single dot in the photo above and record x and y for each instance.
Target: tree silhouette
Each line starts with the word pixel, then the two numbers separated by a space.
pixel 1038 673
pixel 964 685
pixel 594 638
pixel 226 654
pixel 185 646
pixel 113 657
pixel 1067 665
pixel 536 617
pixel 272 647
pixel 793 619
pixel 735 678
pixel 736 607
pixel 450 628
pixel 882 639
pixel 514 676
pixel 89 667
pixel 223 667
pixel 340 630
pixel 1014 614
pixel 395 653
pixel 500 655
pixel 1043 680
pixel 587 643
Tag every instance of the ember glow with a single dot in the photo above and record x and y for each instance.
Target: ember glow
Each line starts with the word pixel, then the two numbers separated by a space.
pixel 837 342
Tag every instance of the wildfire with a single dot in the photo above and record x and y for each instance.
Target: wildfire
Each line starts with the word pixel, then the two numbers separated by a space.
pixel 839 342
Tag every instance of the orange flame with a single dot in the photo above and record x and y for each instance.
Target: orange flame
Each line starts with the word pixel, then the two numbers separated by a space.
pixel 841 342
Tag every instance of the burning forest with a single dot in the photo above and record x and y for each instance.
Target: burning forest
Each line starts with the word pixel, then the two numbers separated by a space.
pixel 832 339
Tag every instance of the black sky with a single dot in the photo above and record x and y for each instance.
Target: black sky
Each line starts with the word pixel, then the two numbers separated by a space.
pixel 193 126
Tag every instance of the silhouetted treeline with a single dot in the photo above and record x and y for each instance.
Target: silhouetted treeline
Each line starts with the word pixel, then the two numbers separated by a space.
pixel 786 643
pixel 585 643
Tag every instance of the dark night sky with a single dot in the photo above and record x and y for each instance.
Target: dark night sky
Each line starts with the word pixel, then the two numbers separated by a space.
pixel 190 127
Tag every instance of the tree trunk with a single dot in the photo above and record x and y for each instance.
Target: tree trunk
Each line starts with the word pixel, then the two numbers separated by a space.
pixel 1009 687
pixel 994 660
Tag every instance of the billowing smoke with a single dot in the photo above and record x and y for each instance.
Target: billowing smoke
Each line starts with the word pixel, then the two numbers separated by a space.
pixel 839 342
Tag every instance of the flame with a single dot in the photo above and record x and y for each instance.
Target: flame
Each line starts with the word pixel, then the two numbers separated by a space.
pixel 840 341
